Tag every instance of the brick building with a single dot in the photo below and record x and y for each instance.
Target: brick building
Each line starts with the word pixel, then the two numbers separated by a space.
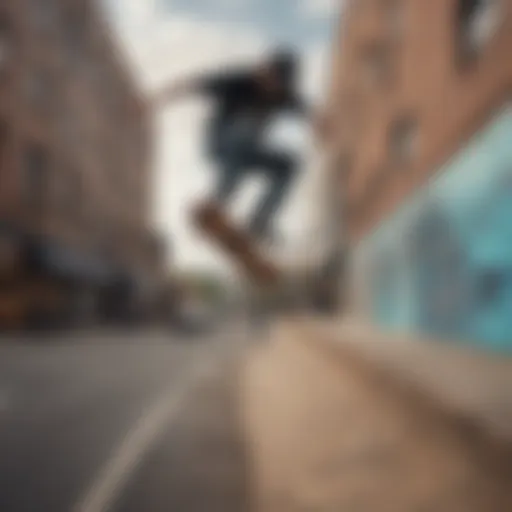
pixel 422 94
pixel 75 237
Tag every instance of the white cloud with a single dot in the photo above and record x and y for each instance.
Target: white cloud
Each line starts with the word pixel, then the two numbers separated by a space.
pixel 233 4
pixel 320 9
pixel 168 46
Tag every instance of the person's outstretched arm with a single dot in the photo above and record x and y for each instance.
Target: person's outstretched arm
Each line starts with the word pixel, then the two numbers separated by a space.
pixel 177 91
pixel 214 85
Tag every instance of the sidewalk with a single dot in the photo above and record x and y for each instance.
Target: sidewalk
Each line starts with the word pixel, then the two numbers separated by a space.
pixel 338 417
pixel 469 382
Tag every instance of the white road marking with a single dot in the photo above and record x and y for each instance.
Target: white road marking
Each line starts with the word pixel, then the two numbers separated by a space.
pixel 114 475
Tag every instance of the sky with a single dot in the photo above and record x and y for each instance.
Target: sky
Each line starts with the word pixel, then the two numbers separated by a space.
pixel 169 39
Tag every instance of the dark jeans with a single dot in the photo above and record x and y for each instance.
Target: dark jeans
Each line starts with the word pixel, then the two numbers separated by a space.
pixel 240 154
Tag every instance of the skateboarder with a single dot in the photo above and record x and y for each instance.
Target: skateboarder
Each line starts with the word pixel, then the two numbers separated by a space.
pixel 246 101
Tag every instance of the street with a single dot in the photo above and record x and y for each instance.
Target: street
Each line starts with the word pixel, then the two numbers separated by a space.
pixel 313 415
pixel 119 422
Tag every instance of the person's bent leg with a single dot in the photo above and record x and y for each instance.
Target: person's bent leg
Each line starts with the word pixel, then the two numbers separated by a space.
pixel 230 166
pixel 280 170
pixel 227 182
pixel 229 150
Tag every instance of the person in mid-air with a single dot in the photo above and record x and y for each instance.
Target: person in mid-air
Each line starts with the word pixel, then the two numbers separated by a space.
pixel 246 101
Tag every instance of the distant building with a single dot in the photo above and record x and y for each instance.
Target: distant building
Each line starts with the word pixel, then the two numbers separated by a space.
pixel 422 96
pixel 75 145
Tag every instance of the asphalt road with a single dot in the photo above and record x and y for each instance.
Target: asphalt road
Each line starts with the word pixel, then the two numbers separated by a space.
pixel 138 422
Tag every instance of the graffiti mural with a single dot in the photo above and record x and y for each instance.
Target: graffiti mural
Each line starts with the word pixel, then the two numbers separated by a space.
pixel 440 273
pixel 442 265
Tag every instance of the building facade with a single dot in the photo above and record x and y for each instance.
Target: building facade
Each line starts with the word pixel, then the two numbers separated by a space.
pixel 422 137
pixel 75 144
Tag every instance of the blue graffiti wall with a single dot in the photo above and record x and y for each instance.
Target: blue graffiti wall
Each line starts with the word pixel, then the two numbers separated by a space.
pixel 442 265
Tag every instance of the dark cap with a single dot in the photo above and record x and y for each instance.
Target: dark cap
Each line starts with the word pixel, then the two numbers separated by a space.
pixel 286 63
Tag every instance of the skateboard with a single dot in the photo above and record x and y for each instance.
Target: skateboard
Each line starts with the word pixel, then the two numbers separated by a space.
pixel 210 219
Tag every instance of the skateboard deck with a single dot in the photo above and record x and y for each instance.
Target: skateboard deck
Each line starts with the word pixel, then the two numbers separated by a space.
pixel 236 243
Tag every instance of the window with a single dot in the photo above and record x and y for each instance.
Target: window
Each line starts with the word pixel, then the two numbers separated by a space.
pixel 37 86
pixel 335 189
pixel 343 168
pixel 404 140
pixel 490 285
pixel 75 30
pixel 477 22
pixel 44 14
pixel 35 166
pixel 5 46
pixel 3 138
pixel 337 184
pixel 373 187
pixel 3 148
pixel 76 189
pixel 71 129
pixel 68 191
pixel 394 17
pixel 348 128
pixel 376 65
pixel 384 283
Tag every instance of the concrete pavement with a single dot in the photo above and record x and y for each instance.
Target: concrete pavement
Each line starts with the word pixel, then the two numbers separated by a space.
pixel 86 421
pixel 318 416
pixel 335 423
pixel 472 383
pixel 200 463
